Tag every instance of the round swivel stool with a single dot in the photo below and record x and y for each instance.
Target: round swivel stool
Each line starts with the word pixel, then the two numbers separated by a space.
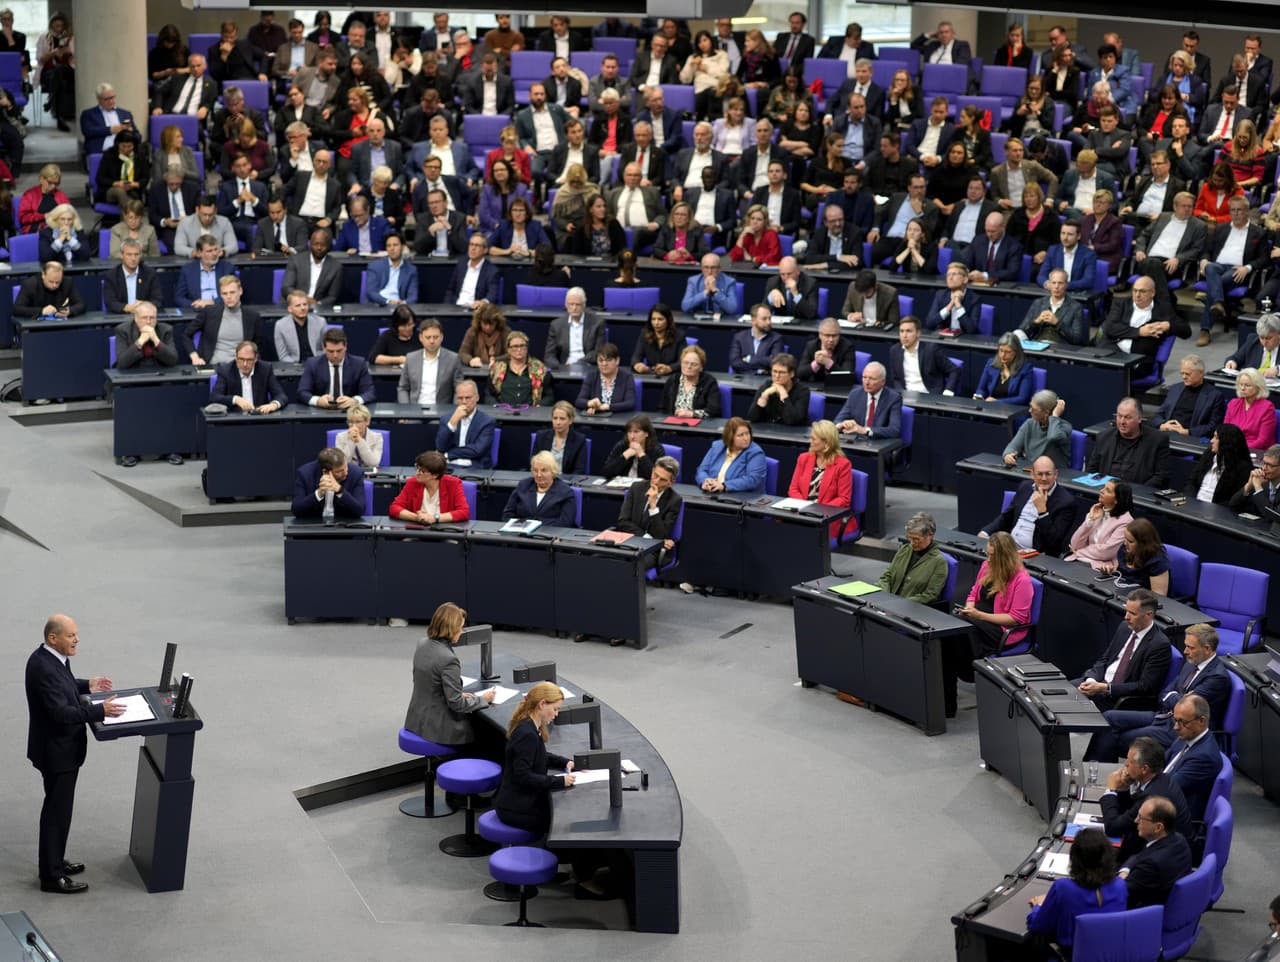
pixel 430 805
pixel 470 777
pixel 526 867
pixel 500 833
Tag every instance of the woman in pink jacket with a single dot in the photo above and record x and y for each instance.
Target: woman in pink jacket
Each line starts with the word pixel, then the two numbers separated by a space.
pixel 1102 531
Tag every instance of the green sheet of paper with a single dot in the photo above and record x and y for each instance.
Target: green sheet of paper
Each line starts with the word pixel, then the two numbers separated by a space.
pixel 854 589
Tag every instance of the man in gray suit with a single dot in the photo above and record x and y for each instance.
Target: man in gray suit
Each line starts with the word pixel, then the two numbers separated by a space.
pixel 430 374
pixel 438 707
pixel 292 345
pixel 870 303
pixel 319 84
pixel 1015 161
pixel 577 335
pixel 1174 240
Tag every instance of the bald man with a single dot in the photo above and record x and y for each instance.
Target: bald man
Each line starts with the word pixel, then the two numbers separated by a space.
pixel 56 743
pixel 792 292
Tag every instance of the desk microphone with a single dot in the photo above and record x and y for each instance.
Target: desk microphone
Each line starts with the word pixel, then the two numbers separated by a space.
pixel 34 942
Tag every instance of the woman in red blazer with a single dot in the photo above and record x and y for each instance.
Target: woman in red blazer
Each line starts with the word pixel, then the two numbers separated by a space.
pixel 824 474
pixel 431 496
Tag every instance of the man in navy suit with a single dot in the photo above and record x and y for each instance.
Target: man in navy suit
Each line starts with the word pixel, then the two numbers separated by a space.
pixel 1139 778
pixel 1201 406
pixel 338 379
pixel 198 279
pixel 851 38
pixel 873 410
pixel 475 279
pixel 1260 349
pixel 1227 264
pixel 941 46
pixel 956 308
pixel 752 351
pixel 795 45
pixel 1202 673
pixel 130 281
pixel 248 383
pixel 468 434
pixel 1195 759
pixel 1137 660
pixel 362 233
pixel 995 256
pixel 100 124
pixel 1079 262
pixel 328 480
pixel 379 288
pixel 56 742
pixel 932 371
pixel 1150 872
pixel 656 113
pixel 242 200
pixel 168 202
pixel 1041 515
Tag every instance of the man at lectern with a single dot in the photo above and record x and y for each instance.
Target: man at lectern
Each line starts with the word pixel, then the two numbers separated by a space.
pixel 56 743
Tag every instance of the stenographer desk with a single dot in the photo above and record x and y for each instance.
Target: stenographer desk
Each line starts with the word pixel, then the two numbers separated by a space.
pixel 1258 742
pixel 1212 531
pixel 882 648
pixel 554 578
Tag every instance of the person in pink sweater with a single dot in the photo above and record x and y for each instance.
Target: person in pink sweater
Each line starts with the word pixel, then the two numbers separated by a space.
pixel 1251 411
pixel 1101 533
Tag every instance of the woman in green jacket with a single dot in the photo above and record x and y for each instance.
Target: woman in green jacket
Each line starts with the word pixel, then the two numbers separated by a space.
pixel 918 571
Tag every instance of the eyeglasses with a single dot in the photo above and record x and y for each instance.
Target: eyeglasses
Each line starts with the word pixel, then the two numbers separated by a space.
pixel 1182 723
pixel 1143 818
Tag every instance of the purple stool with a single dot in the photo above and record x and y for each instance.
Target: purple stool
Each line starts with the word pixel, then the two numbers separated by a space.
pixel 469 777
pixel 524 866
pixel 430 805
pixel 500 833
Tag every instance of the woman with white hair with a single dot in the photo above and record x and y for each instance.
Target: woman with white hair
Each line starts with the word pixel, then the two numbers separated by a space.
pixel 1251 411
pixel 543 496
pixel 62 238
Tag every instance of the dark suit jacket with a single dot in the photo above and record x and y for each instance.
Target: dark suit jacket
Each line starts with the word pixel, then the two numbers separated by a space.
pixel 572 91
pixel 635 517
pixel 1052 529
pixel 557 350
pixel 672 128
pixel 523 798
pixel 479 441
pixel 1154 868
pixel 1008 259
pixel 1190 247
pixel 1249 354
pixel 295 235
pixel 726 207
pixel 820 244
pixel 590 161
pixel 424 241
pixel 806 308
pixel 109 171
pixel 831 49
pixel 680 166
pixel 934 321
pixel 1213 684
pixel 624 390
pixel 547 42
pixel 158 208
pixel 888 421
pixel 348 503
pixel 486 285
pixel 743 170
pixel 745 357
pixel 206 324
pixel 1210 409
pixel 356 379
pixel 928 215
pixel 244 62
pixel 168 97
pixel 297 276
pixel 668 74
pixel 1256 249
pixel 1116 326
pixel 1148 666
pixel 655 161
pixel 1195 771
pixel 1120 809
pixel 56 739
pixel 115 292
pixel 33 296
pixel 95 130
pixel 574 458
pixel 129 355
pixel 296 193
pixel 1151 460
pixel 915 137
pixel 888 313
pixel 843 358
pixel 1175 186
pixel 936 369
pixel 1082 267
pixel 362 162
pixel 471 87
pixel 558 507
pixel 230 208
pixel 790 211
pixel 952 224
pixel 188 288
pixel 266 386
pixel 960 52
pixel 1073 327
pixel 1212 119
pixel 349 236
pixel 87 250
pixel 804 45
pixel 794 410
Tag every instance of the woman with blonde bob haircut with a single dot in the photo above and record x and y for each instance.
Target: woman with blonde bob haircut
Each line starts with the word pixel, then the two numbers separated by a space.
pixel 824 474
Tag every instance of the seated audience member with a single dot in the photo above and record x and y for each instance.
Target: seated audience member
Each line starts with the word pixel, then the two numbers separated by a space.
pixel 1102 232
pixel 915 253
pixel 328 485
pixel 432 495
pixel 1191 407
pixel 827 352
pixel 430 374
pixel 1034 224
pixel 141 342
pixel 994 256
pixel 392 279
pixel 441 232
pixel 577 335
pixel 599 234
pixel 518 379
pixel 475 280
pixel 1132 450
pixel 1141 777
pixel 837 241
pixel 361 446
pixel 1194 760
pixel 652 508
pixel 1056 317
pixel 658 347
pixel 918 571
pixel 49 294
pixel 1140 560
pixel 133 226
pixel 681 240
pixel 519 234
pixel 362 233
pixel 205 221
pixel 39 200
pixel 169 203
pixel 823 474
pixel 466 438
pixel 335 379
pixel 221 326
pixel 757 244
pixel 1261 350
pixel 1039 516
pixel 1262 490
pixel 870 303
pixel 1150 872
pixel 955 308
pixel 1101 533
pixel 872 410
pixel 1251 411
pixel 605 388
pixel 1076 190
pixel 439 710
pixel 635 455
pixel 710 292
pixel 999 599
pixel 486 338
pixel 1091 886
pixel 200 281
pixel 124 172
pixel 248 383
pixel 1139 324
pixel 792 293
pixel 64 239
pixel 298 336
pixel 1223 469
pixel 314 271
pixel 543 496
pixel 1176 239
pixel 1007 376
pixel 1070 255
pixel 752 351
pixel 566 444
pixel 1046 433
pixel 130 281
pixel 691 392
pixel 1237 248
pixel 1202 673
pixel 783 400
pixel 920 366
pixel 734 463
pixel 1137 660
pixel 242 200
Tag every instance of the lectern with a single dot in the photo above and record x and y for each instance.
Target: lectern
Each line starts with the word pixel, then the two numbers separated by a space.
pixel 164 789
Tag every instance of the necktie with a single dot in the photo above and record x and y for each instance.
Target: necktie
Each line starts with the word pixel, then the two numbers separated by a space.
pixel 991 259
pixel 1226 123
pixel 871 411
pixel 1191 680
pixel 1125 655
pixel 1266 361
pixel 175 205
pixel 643 164
pixel 335 381
pixel 279 235
pixel 184 102
pixel 245 209
pixel 791 47
pixel 626 208
pixel 1174 760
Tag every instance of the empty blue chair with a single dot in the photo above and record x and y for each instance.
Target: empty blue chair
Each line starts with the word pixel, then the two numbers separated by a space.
pixel 11 80
pixel 189 125
pixel 494 829
pixel 1184 572
pixel 430 804
pixel 1222 783
pixel 986 319
pixel 1007 500
pixel 1028 642
pixel 1078 441
pixel 482 132
pixel 588 61
pixel 1156 376
pixel 678 97
pixel 944 259
pixel 726 400
pixel 1038 375
pixel 530 296
pixel 620 47
pixel 493 449
pixel 677 531
pixel 1232 718
pixel 823 300
pixel 577 505
pixel 24 249
pixel 907 57
pixel 530 64
pixel 906 303
pixel 1131 936
pixel 677 452
pixel 832 73
pixel 787 243
pixel 469 777
pixel 948 79
pixel 257 93
pixel 1182 910
pixel 637 300
pixel 524 866
pixel 277 285
pixel 770 475
pixel 857 502
pixel 1237 597
pixel 1006 83
pixel 469 492
pixel 331 438
pixel 1217 841
pixel 817 406
pixel 949 586
pixel 368 497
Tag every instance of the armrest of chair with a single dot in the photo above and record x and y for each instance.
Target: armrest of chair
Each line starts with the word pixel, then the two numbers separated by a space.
pixel 1030 639
pixel 1247 638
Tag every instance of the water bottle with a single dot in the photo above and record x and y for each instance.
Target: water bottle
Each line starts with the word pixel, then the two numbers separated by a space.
pixel 1265 304
pixel 1093 773
pixel 327 514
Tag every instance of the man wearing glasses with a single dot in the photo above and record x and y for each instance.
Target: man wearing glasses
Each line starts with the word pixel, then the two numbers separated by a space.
pixel 1262 490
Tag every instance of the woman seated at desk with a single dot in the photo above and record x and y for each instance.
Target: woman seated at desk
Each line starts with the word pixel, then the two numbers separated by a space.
pixel 63 238
pixel 567 445
pixel 1092 886
pixel 605 389
pixel 1224 467
pixel 431 496
pixel 1000 598
pixel 691 392
pixel 399 340
pixel 1102 530
pixel 543 497
pixel 918 571
pixel 523 799
pixel 518 379
pixel 1141 560
pixel 823 474
pixel 734 463
pixel 659 345
pixel 439 708
pixel 486 338
pixel 1007 376
pixel 635 454
pixel 1251 411
pixel 783 400
pixel 361 446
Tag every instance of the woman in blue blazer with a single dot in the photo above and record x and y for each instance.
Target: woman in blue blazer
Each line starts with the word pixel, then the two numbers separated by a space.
pixel 1007 377
pixel 562 442
pixel 504 240
pixel 734 463
pixel 605 389
pixel 543 497
pixel 499 194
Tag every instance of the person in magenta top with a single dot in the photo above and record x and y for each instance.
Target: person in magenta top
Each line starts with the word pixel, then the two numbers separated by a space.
pixel 1251 411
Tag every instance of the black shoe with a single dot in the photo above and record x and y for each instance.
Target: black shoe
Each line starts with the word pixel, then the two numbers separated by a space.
pixel 129 461
pixel 617 642
pixel 176 459
pixel 579 637
pixel 62 125
pixel 62 886
pixel 72 868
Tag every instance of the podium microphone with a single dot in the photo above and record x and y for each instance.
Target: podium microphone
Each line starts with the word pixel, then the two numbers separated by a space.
pixel 34 942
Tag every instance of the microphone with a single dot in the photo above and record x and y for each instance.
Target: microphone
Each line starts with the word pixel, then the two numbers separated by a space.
pixel 34 941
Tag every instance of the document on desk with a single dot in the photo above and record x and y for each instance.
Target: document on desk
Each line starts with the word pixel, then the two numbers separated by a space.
pixel 594 775
pixel 791 504
pixel 467 682
pixel 502 695
pixel 1093 480
pixel 854 589
pixel 1034 345
pixel 1056 863
pixel 136 709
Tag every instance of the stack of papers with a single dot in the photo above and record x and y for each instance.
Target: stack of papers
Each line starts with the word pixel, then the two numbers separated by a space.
pixel 1056 863
pixel 136 709
pixel 791 504
pixel 521 526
